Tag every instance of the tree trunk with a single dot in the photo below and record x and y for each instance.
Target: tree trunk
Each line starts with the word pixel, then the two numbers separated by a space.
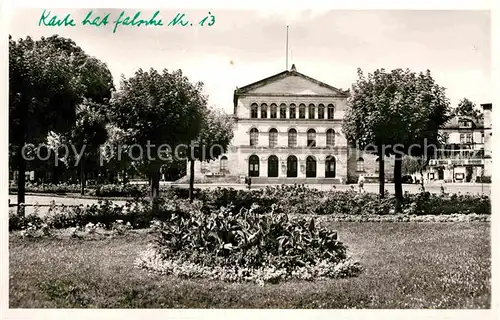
pixel 381 172
pixel 55 174
pixel 191 181
pixel 422 179
pixel 21 180
pixel 155 183
pixel 398 186
pixel 82 176
pixel 124 172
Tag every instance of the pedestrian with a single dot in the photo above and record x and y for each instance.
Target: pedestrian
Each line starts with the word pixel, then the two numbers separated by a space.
pixel 249 183
pixel 361 183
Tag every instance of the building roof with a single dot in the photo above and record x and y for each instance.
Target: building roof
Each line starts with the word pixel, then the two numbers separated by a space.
pixel 292 72
pixel 454 122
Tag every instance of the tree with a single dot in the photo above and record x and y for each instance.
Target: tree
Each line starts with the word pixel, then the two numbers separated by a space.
pixel 114 152
pixel 398 112
pixel 214 138
pixel 48 78
pixel 88 134
pixel 158 110
pixel 467 108
pixel 43 93
pixel 94 76
pixel 410 165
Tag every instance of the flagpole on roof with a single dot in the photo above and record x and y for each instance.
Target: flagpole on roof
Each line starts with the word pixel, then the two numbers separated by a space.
pixel 286 47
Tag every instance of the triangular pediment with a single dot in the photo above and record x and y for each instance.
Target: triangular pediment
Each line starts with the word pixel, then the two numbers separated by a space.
pixel 291 83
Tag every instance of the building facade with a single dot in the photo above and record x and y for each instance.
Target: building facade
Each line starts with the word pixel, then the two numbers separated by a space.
pixel 288 129
pixel 467 154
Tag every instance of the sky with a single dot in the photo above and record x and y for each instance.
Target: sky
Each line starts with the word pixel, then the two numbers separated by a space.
pixel 246 46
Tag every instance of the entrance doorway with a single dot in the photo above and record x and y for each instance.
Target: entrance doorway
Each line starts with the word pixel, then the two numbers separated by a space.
pixel 291 165
pixel 330 167
pixel 272 166
pixel 440 174
pixel 468 174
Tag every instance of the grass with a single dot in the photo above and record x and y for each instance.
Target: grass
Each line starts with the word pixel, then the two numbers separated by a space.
pixel 408 265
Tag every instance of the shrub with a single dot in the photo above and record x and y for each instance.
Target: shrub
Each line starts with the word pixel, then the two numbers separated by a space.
pixel 426 203
pixel 121 190
pixel 137 212
pixel 246 245
pixel 297 199
pixel 49 188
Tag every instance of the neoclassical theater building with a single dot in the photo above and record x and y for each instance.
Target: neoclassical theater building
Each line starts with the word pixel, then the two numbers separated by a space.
pixel 287 129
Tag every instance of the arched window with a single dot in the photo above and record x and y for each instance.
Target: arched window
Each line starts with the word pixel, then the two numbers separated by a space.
pixel 360 165
pixel 311 111
pixel 291 167
pixel 223 164
pixel 253 166
pixel 254 137
pixel 330 138
pixel 331 111
pixel 273 138
pixel 254 111
pixel 330 167
pixel 292 138
pixel 377 164
pixel 272 166
pixel 310 167
pixel 263 111
pixel 292 111
pixel 311 138
pixel 302 111
pixel 321 111
pixel 283 111
pixel 274 111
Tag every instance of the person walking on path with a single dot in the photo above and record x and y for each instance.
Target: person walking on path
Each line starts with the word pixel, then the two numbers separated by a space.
pixel 361 183
pixel 249 181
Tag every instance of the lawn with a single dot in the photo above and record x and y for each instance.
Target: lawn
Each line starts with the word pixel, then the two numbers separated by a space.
pixel 407 265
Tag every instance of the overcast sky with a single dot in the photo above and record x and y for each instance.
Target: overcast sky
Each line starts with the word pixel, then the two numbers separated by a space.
pixel 245 46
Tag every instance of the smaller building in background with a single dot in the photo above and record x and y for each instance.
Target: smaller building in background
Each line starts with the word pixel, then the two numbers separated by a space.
pixel 466 156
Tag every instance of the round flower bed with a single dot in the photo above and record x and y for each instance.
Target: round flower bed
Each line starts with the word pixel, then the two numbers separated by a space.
pixel 246 246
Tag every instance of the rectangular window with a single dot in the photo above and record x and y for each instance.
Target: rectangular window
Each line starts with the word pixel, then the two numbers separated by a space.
pixel 204 166
pixel 360 165
pixel 254 112
pixel 273 139
pixel 462 138
pixel 321 112
pixel 469 138
pixel 223 164
pixel 273 112
pixel 331 111
pixel 292 140
pixel 302 112
pixel 311 112
pixel 283 112
pixel 311 138
pixel 263 112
